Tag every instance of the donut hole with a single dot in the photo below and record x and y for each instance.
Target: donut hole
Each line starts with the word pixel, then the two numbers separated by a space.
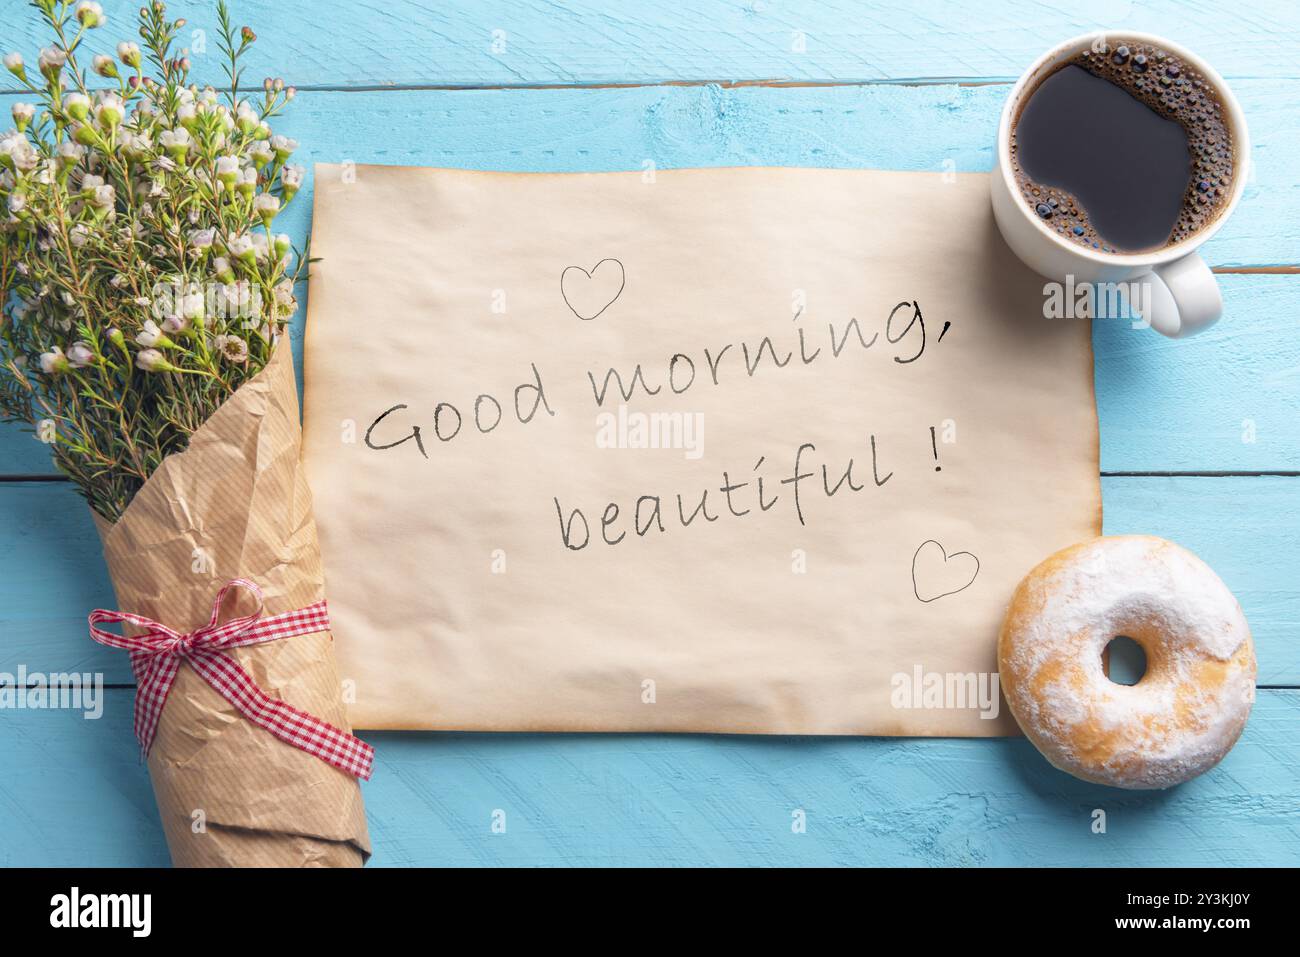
pixel 1124 660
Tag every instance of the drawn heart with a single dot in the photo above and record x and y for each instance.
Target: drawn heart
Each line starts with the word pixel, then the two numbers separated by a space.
pixel 936 574
pixel 588 294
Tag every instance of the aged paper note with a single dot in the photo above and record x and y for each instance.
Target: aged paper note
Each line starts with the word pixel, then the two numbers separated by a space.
pixel 732 450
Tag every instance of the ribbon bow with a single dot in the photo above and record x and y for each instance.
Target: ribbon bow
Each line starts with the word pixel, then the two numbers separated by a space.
pixel 157 655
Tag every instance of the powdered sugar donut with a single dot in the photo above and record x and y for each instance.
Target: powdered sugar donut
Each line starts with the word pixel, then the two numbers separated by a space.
pixel 1189 707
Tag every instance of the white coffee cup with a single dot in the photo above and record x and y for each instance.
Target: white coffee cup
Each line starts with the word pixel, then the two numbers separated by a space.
pixel 1181 295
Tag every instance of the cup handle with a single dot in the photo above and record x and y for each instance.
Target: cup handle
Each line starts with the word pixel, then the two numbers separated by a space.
pixel 1182 297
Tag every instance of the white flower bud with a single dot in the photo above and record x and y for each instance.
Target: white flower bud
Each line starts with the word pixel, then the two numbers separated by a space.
pixel 246 118
pixel 286 304
pixel 14 64
pixel 176 142
pixel 69 153
pixel 241 247
pixel 228 170
pixel 105 66
pixel 151 360
pixel 283 146
pixel 16 151
pixel 193 306
pixel 151 335
pixel 129 53
pixel 54 361
pixel 266 206
pixel 90 14
pixel 9 142
pixel 81 355
pixel 260 154
pixel 136 146
pixel 291 180
pixel 22 113
pixel 104 197
pixel 247 181
pixel 76 105
pixel 51 61
pixel 109 111
pixel 239 298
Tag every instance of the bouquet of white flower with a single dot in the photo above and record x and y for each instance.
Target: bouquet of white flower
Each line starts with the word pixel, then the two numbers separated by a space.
pixel 144 278
pixel 144 293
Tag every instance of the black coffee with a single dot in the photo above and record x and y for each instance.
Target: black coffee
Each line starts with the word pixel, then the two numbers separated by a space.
pixel 1124 148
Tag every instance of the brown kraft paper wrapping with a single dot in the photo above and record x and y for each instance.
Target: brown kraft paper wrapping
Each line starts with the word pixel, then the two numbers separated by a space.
pixel 236 504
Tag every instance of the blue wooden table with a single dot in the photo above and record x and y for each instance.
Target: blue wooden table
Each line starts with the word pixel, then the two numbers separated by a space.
pixel 1200 439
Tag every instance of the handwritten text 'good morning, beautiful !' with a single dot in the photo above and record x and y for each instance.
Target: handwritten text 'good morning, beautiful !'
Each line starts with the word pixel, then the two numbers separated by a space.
pixel 904 332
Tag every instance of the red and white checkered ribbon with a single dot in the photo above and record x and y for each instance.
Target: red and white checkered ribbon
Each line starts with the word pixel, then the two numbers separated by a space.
pixel 157 655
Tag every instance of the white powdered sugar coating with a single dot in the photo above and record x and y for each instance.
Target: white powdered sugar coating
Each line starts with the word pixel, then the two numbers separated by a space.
pixel 1181 717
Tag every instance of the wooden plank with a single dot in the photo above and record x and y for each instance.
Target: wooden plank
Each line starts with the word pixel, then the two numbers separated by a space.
pixel 75 794
pixel 1236 525
pixel 1226 400
pixel 52 575
pixel 938 128
pixel 510 42
pixel 1244 369
pixel 1247 529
